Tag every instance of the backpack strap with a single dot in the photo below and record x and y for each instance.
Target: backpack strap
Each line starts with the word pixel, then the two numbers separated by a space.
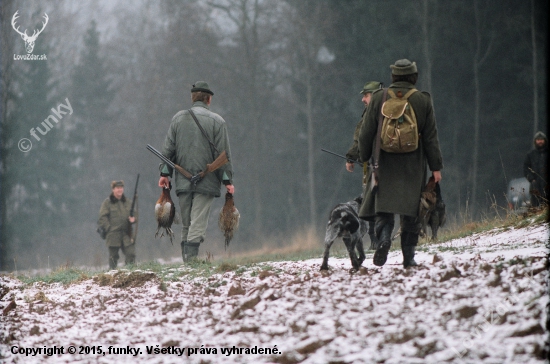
pixel 378 139
pixel 212 146
pixel 407 95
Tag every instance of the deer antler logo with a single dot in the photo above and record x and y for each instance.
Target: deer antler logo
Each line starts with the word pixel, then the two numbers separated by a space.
pixel 29 41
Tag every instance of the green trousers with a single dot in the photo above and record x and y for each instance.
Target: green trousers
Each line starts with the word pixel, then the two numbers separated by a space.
pixel 195 210
pixel 129 255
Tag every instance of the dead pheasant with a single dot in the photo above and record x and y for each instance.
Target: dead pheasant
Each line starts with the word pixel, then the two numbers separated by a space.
pixel 437 217
pixel 165 212
pixel 229 219
pixel 428 199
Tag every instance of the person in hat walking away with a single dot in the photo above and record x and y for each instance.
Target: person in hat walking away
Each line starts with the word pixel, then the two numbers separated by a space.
pixel 400 176
pixel 353 152
pixel 190 147
pixel 114 219
pixel 535 167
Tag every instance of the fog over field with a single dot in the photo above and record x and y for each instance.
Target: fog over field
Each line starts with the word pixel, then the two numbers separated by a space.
pixel 286 75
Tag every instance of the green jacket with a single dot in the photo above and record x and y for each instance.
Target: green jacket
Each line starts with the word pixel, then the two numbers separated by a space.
pixel 187 147
pixel 113 217
pixel 353 152
pixel 401 176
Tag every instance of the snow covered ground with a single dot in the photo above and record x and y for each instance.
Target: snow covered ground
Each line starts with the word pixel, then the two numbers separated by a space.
pixel 481 299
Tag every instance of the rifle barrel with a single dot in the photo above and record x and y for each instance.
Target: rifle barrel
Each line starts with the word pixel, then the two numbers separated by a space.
pixel 341 156
pixel 169 162
pixel 134 199
pixel 160 155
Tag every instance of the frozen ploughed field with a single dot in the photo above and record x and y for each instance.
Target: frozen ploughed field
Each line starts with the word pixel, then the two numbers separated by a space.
pixel 481 299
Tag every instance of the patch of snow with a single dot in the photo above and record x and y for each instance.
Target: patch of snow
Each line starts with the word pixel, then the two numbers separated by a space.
pixel 484 301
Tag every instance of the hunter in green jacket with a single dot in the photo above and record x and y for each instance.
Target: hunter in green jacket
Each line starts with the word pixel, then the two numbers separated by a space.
pixel 186 146
pixel 115 220
pixel 401 176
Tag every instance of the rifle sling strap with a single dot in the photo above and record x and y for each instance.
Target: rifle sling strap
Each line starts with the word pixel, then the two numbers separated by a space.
pixel 212 146
pixel 378 137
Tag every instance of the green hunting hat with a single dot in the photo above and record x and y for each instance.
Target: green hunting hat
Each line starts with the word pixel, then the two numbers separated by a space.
pixel 117 184
pixel 403 67
pixel 371 87
pixel 201 86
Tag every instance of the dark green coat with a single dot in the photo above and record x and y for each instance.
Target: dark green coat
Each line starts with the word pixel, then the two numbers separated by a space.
pixel 113 217
pixel 353 152
pixel 401 176
pixel 535 165
pixel 187 147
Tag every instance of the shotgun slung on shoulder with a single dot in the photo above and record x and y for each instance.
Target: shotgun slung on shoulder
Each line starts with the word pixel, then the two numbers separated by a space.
pixel 180 169
pixel 220 161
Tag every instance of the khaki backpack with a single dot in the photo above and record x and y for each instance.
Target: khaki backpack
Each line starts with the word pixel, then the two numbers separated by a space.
pixel 399 128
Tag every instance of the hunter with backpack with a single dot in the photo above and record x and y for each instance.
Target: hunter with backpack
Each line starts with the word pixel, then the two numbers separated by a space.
pixel 399 131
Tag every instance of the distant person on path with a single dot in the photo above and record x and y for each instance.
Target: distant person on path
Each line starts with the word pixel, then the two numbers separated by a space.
pixel 535 167
pixel 401 175
pixel 114 219
pixel 353 152
pixel 188 147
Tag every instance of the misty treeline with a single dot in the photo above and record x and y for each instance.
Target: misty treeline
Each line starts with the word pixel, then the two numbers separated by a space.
pixel 286 76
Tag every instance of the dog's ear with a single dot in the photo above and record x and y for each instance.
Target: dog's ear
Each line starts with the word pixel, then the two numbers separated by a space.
pixel 359 200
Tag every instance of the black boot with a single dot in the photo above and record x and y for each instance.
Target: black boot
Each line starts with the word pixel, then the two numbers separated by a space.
pixel 112 263
pixel 372 235
pixel 384 245
pixel 113 257
pixel 183 250
pixel 408 256
pixel 408 244
pixel 190 251
pixel 373 242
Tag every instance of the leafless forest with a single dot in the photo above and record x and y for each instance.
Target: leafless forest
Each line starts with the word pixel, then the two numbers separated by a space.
pixel 286 76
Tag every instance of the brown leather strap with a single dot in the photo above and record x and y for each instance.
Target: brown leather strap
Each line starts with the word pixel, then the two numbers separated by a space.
pixel 212 147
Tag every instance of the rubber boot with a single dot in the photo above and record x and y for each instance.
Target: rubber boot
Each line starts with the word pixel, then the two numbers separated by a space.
pixel 183 250
pixel 408 256
pixel 373 241
pixel 130 260
pixel 113 257
pixel 372 235
pixel 384 245
pixel 408 244
pixel 129 254
pixel 112 263
pixel 190 251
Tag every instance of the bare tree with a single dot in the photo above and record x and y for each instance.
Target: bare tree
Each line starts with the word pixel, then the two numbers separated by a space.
pixel 251 52
pixel 482 51
pixel 535 70
pixel 426 45
pixel 6 106
pixel 306 54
